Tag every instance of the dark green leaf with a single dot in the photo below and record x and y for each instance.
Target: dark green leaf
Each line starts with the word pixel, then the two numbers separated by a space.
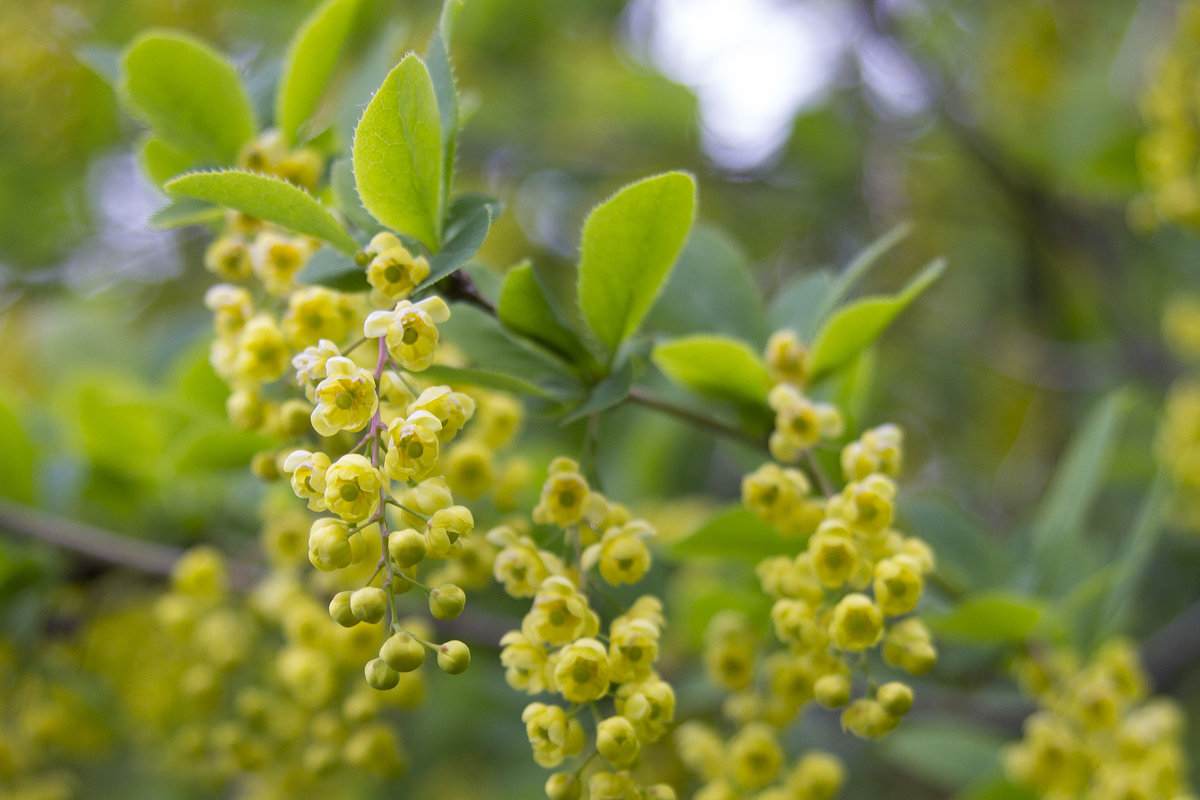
pixel 465 234
pixel 330 268
pixel 950 755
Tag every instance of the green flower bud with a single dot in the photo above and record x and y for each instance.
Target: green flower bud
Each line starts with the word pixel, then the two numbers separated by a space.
pixel 563 786
pixel 406 547
pixel 402 652
pixel 617 741
pixel 832 690
pixel 380 676
pixel 454 657
pixel 368 603
pixel 895 697
pixel 340 610
pixel 447 601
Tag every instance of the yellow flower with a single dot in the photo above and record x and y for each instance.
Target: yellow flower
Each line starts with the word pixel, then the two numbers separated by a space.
pixel 754 756
pixel 909 646
pixel 867 719
pixel 346 399
pixel 261 352
pixel 307 471
pixel 700 749
pixel 394 273
pixel 525 663
pixel 413 450
pixel 309 364
pixel 468 468
pixel 352 488
pixel 786 357
pixel 818 776
pixel 229 257
pixel 632 649
pixel 452 409
pixel 276 260
pixel 834 553
pixel 551 733
pixel 316 313
pixel 621 553
pixel 867 505
pixel 857 623
pixel 612 786
pixel 329 544
pixel 877 450
pixel 231 307
pixel 729 650
pixel 897 585
pixel 799 422
pixel 617 741
pixel 410 330
pixel 796 624
pixel 559 614
pixel 446 530
pixel 520 565
pixel 649 705
pixel 562 501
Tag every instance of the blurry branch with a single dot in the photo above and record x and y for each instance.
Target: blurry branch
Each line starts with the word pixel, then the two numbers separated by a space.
pixel 459 286
pixel 641 397
pixel 104 546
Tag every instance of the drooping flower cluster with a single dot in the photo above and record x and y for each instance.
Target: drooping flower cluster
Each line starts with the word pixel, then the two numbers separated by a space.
pixel 1097 734
pixel 564 650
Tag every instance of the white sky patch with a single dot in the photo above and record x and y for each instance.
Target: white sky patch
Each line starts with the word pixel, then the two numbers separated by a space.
pixel 752 64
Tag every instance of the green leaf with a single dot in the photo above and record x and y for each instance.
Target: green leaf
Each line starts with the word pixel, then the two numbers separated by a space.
pixel 610 391
pixel 798 305
pixel 991 617
pixel 189 94
pixel 441 73
pixel 1057 530
pixel 397 154
pixel 630 242
pixel 184 211
pixel 17 465
pixel 967 553
pixel 950 755
pixel 710 290
pixel 267 198
pixel 485 378
pixel 1131 562
pixel 309 63
pixel 207 447
pixel 102 60
pixel 997 790
pixel 859 267
pixel 735 533
pixel 330 268
pixel 855 326
pixel 523 308
pixel 161 161
pixel 470 221
pixel 717 366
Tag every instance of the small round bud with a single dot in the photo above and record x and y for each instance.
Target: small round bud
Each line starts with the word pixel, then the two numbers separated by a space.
pixel 866 719
pixel 368 603
pixel 920 659
pixel 659 791
pixel 895 697
pixel 264 465
pixel 341 611
pixel 563 786
pixel 832 690
pixel 402 652
pixel 406 547
pixel 454 657
pixel 617 741
pixel 447 601
pixel 380 676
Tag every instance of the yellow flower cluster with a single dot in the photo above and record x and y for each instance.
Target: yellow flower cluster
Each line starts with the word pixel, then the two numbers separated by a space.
pixel 1096 735
pixel 851 591
pixel 560 648
pixel 753 760
pixel 1169 151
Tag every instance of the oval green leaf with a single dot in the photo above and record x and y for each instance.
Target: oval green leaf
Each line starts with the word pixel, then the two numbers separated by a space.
pixel 311 59
pixel 267 198
pixel 397 155
pixel 717 366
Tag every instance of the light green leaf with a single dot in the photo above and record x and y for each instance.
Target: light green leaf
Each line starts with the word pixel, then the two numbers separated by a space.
pixel 717 366
pixel 997 789
pixel 1057 530
pixel 470 219
pixel 950 755
pixel 630 242
pixel 184 211
pixel 330 268
pixel 735 533
pixel 854 326
pixel 485 378
pixel 610 391
pixel 189 94
pixel 441 73
pixel 991 617
pixel 397 154
pixel 341 182
pixel 309 63
pixel 523 308
pixel 17 465
pixel 1131 562
pixel 859 267
pixel 207 447
pixel 161 161
pixel 267 198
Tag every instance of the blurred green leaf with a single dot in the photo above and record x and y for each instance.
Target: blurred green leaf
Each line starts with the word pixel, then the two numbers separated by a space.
pixel 468 223
pixel 996 790
pixel 185 211
pixel 717 366
pixel 948 755
pixel 328 267
pixel 610 391
pixel 798 305
pixel 1057 529
pixel 161 161
pixel 189 95
pixel 441 73
pixel 859 267
pixel 17 463
pixel 967 552
pixel 267 198
pixel 486 379
pixel 397 154
pixel 630 242
pixel 854 326
pixel 309 63
pixel 1131 561
pixel 992 617
pixel 524 309
pixel 208 446
pixel 341 182
pixel 735 533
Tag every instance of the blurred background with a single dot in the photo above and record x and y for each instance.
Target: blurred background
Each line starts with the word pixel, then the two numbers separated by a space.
pixel 1008 134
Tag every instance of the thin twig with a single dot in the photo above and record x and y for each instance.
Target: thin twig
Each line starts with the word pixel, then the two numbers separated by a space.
pixel 698 419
